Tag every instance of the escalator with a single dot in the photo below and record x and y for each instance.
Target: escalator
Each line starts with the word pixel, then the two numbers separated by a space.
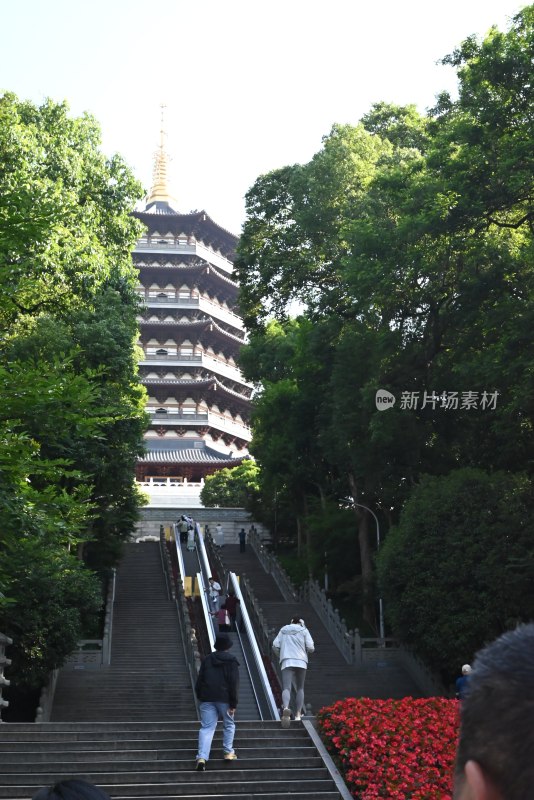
pixel 256 701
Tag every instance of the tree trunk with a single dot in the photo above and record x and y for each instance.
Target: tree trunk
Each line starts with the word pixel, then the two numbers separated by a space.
pixel 322 497
pixel 308 537
pixel 299 536
pixel 368 600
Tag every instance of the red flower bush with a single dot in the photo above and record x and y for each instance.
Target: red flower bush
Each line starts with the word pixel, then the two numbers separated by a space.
pixel 394 749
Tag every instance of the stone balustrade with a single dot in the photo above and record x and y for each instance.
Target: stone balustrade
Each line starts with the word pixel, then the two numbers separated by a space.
pixel 4 662
pixel 176 591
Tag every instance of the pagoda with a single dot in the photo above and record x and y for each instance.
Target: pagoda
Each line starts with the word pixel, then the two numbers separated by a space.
pixel 190 337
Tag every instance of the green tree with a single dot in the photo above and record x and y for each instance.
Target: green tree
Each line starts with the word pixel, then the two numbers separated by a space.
pixel 55 601
pixel 72 416
pixel 449 570
pixel 64 210
pixel 235 487
pixel 408 241
pixel 484 139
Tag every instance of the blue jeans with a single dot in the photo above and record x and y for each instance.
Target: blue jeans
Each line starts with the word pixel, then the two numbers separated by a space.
pixel 209 714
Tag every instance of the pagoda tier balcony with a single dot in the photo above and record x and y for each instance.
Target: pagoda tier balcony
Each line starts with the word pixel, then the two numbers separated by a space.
pixel 208 389
pixel 203 360
pixel 204 332
pixel 195 249
pixel 209 307
pixel 193 273
pixel 170 419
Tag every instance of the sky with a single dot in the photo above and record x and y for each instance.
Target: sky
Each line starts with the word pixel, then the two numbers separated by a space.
pixel 248 85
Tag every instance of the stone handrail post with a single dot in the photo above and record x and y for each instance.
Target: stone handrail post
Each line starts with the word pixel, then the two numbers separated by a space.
pixel 108 619
pixel 335 625
pixel 271 565
pixel 4 662
pixel 46 698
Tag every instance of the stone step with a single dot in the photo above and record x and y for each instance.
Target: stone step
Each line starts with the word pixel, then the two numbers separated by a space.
pixel 23 758
pixel 295 734
pixel 274 790
pixel 135 763
pixel 208 783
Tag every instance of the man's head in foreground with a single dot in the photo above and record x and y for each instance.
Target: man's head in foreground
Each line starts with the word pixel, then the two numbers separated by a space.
pixel 495 759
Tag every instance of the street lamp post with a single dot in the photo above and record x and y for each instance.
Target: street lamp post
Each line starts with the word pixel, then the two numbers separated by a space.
pixel 380 602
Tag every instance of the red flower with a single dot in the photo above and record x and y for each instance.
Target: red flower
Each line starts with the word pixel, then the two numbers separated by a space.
pixel 395 749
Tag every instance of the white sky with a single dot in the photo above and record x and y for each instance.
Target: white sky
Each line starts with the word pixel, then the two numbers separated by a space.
pixel 249 85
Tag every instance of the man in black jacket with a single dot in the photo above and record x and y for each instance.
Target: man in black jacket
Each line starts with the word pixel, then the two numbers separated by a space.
pixel 217 687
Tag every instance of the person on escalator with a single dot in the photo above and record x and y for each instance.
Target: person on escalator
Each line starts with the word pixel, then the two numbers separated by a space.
pixel 221 619
pixel 182 527
pixel 213 591
pixel 217 689
pixel 231 604
pixel 292 645
pixel 191 537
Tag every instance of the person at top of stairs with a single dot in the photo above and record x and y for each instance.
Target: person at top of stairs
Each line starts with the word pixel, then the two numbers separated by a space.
pixel 217 689
pixel 292 645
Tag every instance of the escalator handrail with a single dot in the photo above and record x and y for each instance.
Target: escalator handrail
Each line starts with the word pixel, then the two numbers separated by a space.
pixel 202 554
pixel 232 578
pixel 249 672
pixel 206 609
pixel 179 554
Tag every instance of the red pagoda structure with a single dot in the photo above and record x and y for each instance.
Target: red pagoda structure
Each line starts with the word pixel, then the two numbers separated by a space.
pixel 190 336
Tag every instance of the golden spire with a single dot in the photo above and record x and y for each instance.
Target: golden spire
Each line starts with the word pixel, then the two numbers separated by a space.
pixel 160 190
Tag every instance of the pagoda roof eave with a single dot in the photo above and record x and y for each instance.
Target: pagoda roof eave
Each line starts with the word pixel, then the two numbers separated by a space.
pixel 194 268
pixel 194 223
pixel 206 383
pixel 199 324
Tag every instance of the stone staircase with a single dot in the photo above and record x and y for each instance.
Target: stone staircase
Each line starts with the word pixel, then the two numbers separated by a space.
pixel 156 760
pixel 131 727
pixel 329 677
pixel 148 678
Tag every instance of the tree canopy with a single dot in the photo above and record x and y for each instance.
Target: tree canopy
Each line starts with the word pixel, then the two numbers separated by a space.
pixel 72 415
pixel 235 487
pixel 407 242
pixel 454 570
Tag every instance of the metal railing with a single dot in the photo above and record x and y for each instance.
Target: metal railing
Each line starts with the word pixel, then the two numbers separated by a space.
pixel 145 246
pixel 171 417
pixel 212 308
pixel 234 583
pixel 196 358
pixel 256 624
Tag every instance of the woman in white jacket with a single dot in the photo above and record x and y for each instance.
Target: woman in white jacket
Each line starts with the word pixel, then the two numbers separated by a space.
pixel 292 645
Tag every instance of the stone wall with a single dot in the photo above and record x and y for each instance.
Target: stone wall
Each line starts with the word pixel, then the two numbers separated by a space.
pixel 231 519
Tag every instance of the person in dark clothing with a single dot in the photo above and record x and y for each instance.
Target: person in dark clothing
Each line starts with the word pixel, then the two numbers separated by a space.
pixel 183 527
pixel 71 789
pixel 217 689
pixel 231 604
pixel 495 756
pixel 462 681
pixel 242 540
